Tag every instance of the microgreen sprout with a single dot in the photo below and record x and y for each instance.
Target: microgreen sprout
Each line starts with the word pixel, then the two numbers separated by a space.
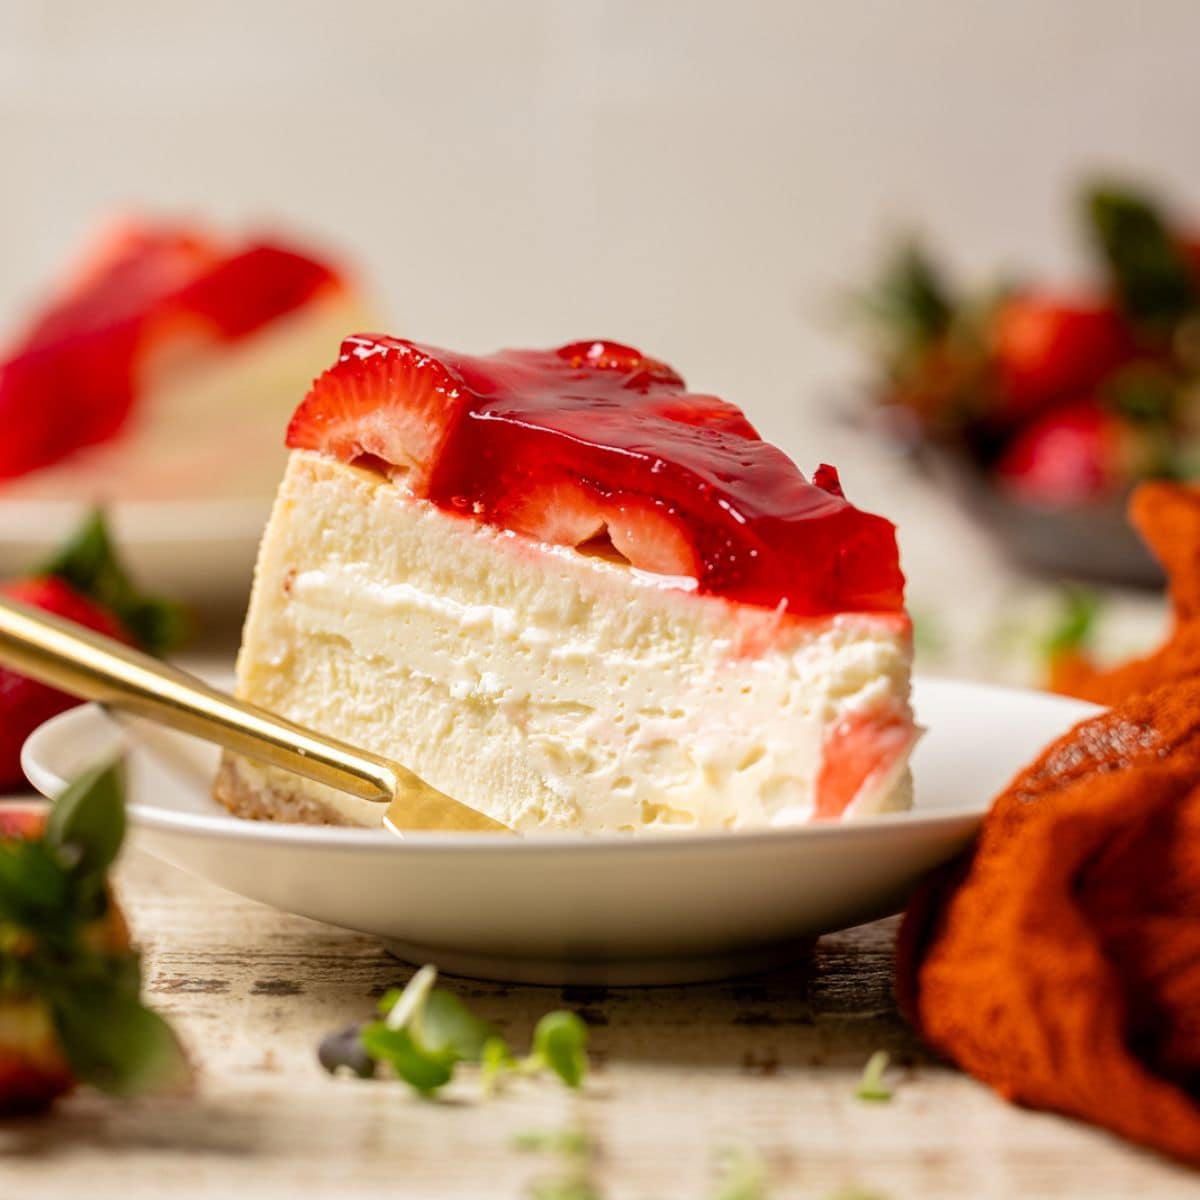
pixel 576 1152
pixel 741 1174
pixel 569 1142
pixel 424 1032
pixel 872 1086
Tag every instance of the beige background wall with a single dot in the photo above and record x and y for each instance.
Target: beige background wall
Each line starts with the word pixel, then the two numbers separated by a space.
pixel 699 178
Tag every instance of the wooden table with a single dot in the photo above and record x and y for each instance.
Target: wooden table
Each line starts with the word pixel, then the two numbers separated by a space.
pixel 768 1064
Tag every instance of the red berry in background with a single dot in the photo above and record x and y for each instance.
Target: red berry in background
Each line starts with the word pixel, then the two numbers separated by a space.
pixel 1046 349
pixel 25 703
pixel 1068 456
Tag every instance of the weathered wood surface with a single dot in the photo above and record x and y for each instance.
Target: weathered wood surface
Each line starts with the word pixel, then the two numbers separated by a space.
pixel 769 1063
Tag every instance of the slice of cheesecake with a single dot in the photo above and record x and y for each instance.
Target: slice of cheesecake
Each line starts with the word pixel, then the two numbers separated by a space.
pixel 570 593
pixel 126 383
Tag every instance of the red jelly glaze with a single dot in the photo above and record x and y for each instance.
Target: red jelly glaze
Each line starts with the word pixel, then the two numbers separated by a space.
pixel 72 380
pixel 603 417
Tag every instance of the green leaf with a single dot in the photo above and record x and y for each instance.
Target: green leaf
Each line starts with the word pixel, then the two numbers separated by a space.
pixel 419 1067
pixel 87 822
pixel 33 883
pixel 1144 393
pixel 560 1042
pixel 90 564
pixel 911 298
pixel 1081 608
pixel 113 1041
pixel 446 1024
pixel 1150 273
pixel 871 1086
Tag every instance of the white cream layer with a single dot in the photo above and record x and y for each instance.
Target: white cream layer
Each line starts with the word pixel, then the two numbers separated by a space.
pixel 550 688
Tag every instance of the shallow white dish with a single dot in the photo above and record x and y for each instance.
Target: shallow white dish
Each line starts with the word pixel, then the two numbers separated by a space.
pixel 608 909
pixel 200 551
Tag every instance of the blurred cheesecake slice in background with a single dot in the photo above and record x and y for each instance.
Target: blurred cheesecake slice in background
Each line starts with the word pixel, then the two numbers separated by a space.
pixel 164 365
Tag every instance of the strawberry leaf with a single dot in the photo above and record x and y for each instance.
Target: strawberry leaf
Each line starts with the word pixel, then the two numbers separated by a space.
pixel 90 564
pixel 1150 273
pixel 112 1040
pixel 34 888
pixel 86 826
pixel 911 300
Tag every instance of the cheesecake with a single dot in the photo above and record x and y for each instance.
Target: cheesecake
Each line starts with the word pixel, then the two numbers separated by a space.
pixel 125 383
pixel 574 595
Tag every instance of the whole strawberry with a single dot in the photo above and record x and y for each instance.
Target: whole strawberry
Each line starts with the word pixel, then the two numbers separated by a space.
pixel 86 583
pixel 70 1006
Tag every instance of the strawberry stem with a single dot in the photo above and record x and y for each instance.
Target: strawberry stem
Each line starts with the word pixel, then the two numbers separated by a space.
pixel 89 563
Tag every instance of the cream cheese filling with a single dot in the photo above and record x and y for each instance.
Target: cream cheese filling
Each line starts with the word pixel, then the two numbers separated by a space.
pixel 550 688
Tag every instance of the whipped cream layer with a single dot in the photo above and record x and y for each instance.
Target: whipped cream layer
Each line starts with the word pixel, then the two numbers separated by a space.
pixel 555 689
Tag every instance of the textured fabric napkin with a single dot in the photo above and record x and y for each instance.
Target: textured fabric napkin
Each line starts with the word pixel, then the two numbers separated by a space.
pixel 1060 963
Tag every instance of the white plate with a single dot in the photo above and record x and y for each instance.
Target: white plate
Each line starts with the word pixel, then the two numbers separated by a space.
pixel 606 909
pixel 201 551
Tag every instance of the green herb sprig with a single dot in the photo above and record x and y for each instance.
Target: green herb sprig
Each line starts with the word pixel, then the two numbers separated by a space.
pixel 424 1032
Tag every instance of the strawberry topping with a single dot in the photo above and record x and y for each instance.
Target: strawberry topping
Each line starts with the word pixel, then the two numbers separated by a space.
pixel 596 440
pixel 75 376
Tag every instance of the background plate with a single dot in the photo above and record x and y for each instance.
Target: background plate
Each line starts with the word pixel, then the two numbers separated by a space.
pixel 569 908
pixel 200 551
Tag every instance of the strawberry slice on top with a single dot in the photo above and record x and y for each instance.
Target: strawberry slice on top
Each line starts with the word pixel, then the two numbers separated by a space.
pixel 595 440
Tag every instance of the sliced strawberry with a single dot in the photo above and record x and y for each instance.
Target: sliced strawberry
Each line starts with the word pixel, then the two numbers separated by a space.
pixel 595 437
pixel 652 539
pixel 1068 456
pixel 565 512
pixel 1047 349
pixel 383 399
pixel 560 511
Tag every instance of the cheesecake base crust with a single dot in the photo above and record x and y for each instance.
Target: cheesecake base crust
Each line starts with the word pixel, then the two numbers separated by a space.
pixel 268 802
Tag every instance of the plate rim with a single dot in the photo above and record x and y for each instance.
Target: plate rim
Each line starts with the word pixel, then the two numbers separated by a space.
pixel 157 819
pixel 139 522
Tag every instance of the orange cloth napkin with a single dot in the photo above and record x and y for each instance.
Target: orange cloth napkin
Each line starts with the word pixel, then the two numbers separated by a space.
pixel 1167 515
pixel 1060 963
